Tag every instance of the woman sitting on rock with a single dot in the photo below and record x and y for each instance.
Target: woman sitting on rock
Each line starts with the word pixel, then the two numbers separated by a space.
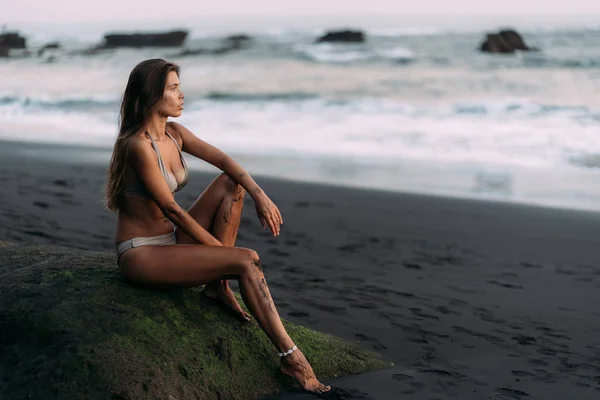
pixel 158 242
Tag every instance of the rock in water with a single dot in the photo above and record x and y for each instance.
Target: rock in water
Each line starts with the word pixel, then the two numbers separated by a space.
pixel 165 39
pixel 505 41
pixel 347 36
pixel 11 40
pixel 72 328
pixel 514 40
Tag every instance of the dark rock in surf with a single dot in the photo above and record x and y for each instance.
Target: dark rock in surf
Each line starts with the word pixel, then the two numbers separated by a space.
pixel 505 41
pixel 345 36
pixel 12 40
pixel 139 40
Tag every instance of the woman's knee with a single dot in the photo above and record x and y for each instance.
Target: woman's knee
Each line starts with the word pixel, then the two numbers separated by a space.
pixel 250 262
pixel 232 187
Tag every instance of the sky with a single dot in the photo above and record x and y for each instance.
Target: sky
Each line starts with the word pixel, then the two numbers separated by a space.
pixel 61 11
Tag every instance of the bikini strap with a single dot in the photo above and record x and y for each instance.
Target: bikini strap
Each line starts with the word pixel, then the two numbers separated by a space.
pixel 180 152
pixel 160 161
pixel 173 139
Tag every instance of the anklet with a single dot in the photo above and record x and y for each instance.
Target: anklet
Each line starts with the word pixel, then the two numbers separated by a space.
pixel 287 353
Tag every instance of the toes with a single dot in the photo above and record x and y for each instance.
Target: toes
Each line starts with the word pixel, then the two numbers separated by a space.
pixel 244 315
pixel 322 388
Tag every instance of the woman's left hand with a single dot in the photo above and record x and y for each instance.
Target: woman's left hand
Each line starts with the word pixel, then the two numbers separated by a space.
pixel 268 214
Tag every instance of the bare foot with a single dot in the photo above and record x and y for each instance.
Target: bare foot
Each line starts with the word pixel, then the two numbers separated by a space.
pixel 297 366
pixel 228 299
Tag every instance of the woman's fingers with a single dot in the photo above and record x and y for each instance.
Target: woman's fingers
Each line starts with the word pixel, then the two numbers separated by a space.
pixel 274 225
pixel 277 215
pixel 271 217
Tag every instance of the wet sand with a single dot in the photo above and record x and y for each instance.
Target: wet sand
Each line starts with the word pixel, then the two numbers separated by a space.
pixel 470 300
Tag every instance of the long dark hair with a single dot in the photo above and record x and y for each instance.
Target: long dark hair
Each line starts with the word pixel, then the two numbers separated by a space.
pixel 141 99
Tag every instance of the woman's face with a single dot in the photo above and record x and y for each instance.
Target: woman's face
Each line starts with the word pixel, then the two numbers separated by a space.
pixel 172 101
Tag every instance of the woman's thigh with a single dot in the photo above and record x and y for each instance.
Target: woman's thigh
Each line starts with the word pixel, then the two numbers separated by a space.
pixel 184 265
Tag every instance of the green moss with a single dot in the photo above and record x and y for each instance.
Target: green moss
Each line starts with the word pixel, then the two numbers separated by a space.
pixel 72 309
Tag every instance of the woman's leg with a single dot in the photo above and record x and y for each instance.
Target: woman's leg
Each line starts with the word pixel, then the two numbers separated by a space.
pixel 219 210
pixel 193 265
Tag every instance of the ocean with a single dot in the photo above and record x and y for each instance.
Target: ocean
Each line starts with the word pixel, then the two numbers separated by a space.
pixel 415 108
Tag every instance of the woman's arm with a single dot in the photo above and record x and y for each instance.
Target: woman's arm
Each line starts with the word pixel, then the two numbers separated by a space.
pixel 143 160
pixel 212 155
pixel 268 213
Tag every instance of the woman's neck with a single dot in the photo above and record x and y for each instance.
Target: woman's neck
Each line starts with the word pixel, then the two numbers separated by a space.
pixel 156 127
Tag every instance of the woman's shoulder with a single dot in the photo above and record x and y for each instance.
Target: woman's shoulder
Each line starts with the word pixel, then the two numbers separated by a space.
pixel 177 130
pixel 138 142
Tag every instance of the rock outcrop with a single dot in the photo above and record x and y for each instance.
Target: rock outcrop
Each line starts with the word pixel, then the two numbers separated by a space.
pixel 345 36
pixel 71 328
pixel 12 40
pixel 138 40
pixel 505 41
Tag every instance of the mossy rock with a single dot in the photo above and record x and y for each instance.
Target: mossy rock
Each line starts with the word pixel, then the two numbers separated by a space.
pixel 71 327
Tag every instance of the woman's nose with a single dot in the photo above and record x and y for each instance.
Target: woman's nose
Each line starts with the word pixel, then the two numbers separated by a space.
pixel 181 95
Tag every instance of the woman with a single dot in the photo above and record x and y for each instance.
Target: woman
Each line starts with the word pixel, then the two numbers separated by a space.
pixel 159 243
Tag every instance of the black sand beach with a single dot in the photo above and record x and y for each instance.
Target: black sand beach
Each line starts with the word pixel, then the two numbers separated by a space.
pixel 470 300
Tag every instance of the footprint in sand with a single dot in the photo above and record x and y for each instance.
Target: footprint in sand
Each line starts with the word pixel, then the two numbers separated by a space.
pixel 41 204
pixel 505 285
pixel 489 338
pixel 523 374
pixel 547 351
pixel 524 340
pixel 462 290
pixel 546 378
pixel 63 183
pixel 414 386
pixel 418 312
pixel 445 310
pixel 525 264
pixel 534 361
pixel 365 306
pixel 562 271
pixel 299 314
pixel 512 393
pixel 443 373
pixel 402 377
pixel 351 248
